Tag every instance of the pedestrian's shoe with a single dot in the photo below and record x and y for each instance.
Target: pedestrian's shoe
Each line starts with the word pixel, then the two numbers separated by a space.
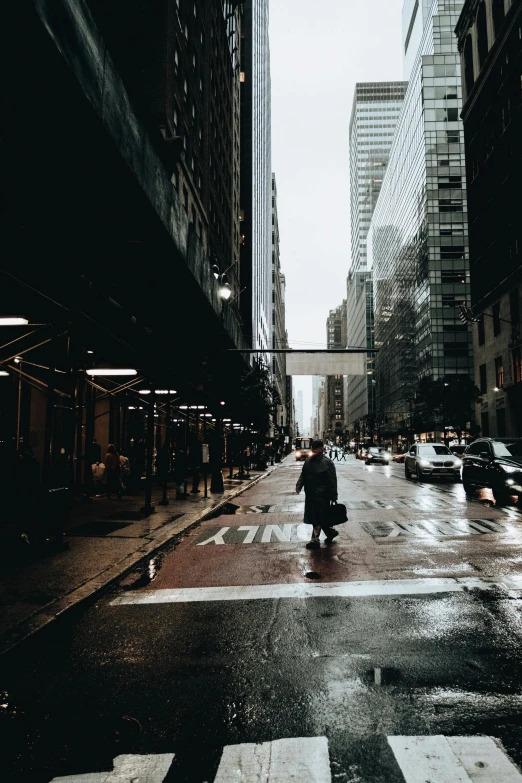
pixel 331 536
pixel 314 543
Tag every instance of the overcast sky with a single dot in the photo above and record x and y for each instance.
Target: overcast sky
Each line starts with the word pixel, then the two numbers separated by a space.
pixel 318 53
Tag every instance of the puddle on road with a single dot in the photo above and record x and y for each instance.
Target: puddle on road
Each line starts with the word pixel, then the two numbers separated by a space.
pixel 150 573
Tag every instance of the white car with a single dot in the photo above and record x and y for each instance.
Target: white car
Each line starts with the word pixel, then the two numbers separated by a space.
pixel 427 460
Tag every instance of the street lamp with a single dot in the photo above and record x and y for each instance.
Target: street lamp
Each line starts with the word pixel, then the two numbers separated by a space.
pixel 3 372
pixel 225 291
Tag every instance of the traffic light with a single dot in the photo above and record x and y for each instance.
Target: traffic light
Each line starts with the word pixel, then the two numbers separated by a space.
pixel 466 314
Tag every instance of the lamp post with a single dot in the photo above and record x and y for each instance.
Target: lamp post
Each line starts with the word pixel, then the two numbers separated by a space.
pixel 148 508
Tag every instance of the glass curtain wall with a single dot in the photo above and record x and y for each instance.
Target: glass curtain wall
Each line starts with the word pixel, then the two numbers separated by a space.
pixel 376 110
pixel 419 240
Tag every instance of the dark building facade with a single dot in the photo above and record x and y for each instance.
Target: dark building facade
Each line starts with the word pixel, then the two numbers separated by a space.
pixel 109 253
pixel 490 44
pixel 335 386
pixel 256 174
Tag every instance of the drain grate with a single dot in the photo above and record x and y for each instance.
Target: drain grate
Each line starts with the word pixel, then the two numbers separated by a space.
pixel 97 528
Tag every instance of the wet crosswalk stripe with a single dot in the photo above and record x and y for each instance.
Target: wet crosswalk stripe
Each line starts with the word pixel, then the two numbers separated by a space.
pixel 428 759
pixel 302 759
pixel 144 769
pixel 440 759
pixel 385 587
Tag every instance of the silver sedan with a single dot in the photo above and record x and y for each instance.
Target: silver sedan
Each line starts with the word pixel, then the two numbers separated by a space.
pixel 426 460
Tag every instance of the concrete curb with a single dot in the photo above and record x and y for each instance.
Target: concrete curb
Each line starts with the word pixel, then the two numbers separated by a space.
pixel 57 608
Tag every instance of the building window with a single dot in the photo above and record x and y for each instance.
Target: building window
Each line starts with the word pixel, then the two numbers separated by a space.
pixel 481 334
pixel 468 64
pixel 514 307
pixel 483 379
pixel 517 365
pixel 496 318
pixel 501 423
pixel 482 34
pixel 499 14
pixel 484 424
pixel 499 372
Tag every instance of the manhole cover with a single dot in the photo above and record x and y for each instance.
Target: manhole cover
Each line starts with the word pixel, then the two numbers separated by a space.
pixel 97 528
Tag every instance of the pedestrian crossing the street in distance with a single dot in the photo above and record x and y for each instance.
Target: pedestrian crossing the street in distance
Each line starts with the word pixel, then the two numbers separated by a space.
pixel 421 759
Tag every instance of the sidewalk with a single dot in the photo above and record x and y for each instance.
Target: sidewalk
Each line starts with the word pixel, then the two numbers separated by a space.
pixel 106 538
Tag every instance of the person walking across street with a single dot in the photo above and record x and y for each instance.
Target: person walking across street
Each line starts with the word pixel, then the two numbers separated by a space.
pixel 319 479
pixel 112 471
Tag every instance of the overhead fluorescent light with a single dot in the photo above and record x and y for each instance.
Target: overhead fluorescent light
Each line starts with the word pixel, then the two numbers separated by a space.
pixel 12 321
pixel 111 371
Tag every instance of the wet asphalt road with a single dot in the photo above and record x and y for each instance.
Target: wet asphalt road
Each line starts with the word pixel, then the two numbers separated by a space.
pixel 194 676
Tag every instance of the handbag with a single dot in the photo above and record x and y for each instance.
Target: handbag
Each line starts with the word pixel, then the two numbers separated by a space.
pixel 337 513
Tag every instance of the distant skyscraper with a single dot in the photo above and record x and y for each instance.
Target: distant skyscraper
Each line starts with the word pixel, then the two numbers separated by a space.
pixel 376 109
pixel 418 238
pixel 277 318
pixel 299 412
pixel 256 173
pixel 334 387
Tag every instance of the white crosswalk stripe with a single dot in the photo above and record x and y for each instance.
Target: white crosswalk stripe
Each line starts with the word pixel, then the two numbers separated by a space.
pixel 127 769
pixel 303 759
pixel 384 587
pixel 440 759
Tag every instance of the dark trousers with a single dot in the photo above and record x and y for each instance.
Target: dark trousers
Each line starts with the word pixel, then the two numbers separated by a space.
pixel 113 482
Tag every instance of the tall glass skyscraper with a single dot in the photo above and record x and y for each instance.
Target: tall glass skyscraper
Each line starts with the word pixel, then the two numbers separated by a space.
pixel 376 109
pixel 418 240
pixel 256 173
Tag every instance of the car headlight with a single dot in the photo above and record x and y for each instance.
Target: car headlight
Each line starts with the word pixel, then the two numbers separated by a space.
pixel 387 456
pixel 297 453
pixel 508 468
pixel 458 463
pixel 423 463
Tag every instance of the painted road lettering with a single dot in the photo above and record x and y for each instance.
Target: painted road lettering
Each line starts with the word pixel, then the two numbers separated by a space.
pixel 424 504
pixel 432 527
pixel 388 530
pixel 254 534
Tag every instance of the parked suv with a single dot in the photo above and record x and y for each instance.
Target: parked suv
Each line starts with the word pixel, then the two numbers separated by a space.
pixel 495 463
pixel 427 460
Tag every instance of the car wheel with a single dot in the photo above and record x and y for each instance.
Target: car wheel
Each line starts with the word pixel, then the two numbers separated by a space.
pixel 502 496
pixel 407 472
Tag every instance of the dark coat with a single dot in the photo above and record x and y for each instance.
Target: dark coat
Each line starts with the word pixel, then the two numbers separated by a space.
pixel 319 479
